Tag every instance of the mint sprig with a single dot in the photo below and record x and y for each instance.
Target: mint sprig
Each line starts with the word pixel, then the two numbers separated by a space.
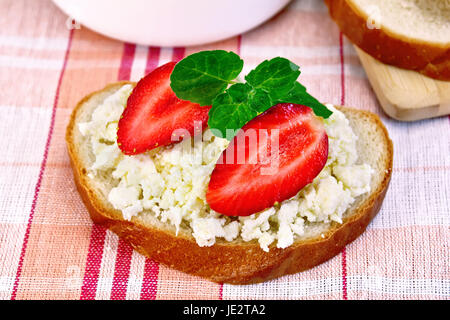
pixel 207 78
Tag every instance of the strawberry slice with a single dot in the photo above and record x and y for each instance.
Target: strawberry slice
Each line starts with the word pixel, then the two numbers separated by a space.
pixel 154 112
pixel 253 174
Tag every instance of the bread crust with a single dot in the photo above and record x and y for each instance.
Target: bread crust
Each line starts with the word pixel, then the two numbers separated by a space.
pixel 225 262
pixel 430 59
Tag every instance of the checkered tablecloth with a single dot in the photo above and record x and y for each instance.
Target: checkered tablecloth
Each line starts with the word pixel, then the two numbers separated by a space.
pixel 49 248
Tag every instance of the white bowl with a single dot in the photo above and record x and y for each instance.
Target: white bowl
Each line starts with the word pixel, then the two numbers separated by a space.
pixel 170 22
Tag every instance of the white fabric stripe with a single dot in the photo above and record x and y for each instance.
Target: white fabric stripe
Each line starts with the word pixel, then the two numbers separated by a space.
pixel 133 288
pixel 17 183
pixel 106 276
pixel 294 51
pixel 410 139
pixel 55 64
pixel 136 276
pixel 165 55
pixel 42 283
pixel 41 43
pixel 30 63
pixel 310 288
pixel 16 120
pixel 399 286
pixel 6 286
pixel 407 204
pixel 419 195
pixel 322 70
pixel 17 145
pixel 11 239
pixel 18 220
pixel 139 63
pixel 24 108
pixel 292 289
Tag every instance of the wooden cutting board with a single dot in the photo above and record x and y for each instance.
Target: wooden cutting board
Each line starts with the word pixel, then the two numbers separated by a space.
pixel 406 95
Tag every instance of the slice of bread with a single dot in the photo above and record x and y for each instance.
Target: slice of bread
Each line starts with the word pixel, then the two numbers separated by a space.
pixel 410 34
pixel 236 262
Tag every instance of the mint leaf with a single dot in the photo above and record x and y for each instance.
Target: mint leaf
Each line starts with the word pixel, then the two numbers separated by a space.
pixel 276 76
pixel 239 104
pixel 202 76
pixel 259 100
pixel 298 95
pixel 231 110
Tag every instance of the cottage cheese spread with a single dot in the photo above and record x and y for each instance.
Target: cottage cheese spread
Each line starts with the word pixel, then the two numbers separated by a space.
pixel 171 182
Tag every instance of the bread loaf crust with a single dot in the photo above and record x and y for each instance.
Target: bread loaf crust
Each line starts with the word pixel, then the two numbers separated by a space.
pixel 227 262
pixel 430 59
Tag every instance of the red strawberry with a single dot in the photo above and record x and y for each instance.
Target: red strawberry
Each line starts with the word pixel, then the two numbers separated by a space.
pixel 240 188
pixel 154 112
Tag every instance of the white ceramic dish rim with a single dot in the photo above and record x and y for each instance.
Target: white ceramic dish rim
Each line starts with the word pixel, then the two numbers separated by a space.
pixel 195 32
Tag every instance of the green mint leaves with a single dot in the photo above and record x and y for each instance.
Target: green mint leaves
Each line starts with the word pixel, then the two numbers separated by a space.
pixel 277 76
pixel 298 95
pixel 202 76
pixel 205 78
pixel 232 109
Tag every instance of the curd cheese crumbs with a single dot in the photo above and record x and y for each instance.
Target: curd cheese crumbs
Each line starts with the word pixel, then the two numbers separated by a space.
pixel 171 182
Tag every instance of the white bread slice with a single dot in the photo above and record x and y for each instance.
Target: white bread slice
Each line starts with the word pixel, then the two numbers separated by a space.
pixel 235 262
pixel 410 34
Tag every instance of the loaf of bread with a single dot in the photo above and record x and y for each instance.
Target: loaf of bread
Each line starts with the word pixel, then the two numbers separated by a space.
pixel 410 34
pixel 237 261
